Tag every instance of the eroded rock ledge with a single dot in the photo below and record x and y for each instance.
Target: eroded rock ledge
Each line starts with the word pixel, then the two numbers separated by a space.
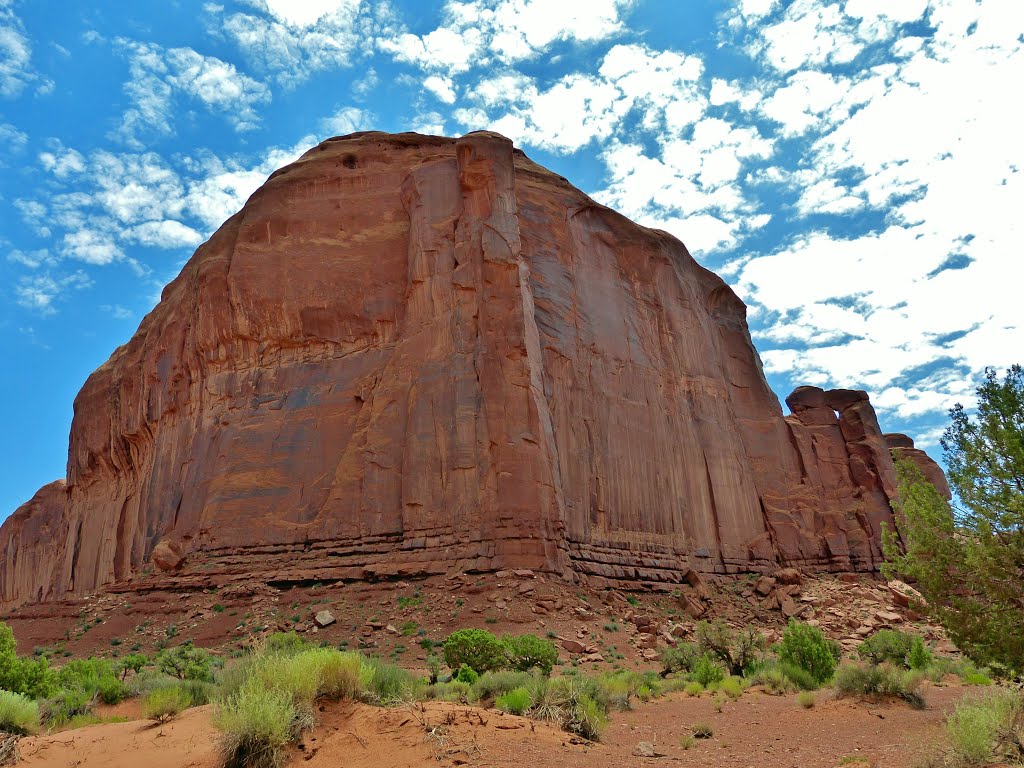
pixel 410 355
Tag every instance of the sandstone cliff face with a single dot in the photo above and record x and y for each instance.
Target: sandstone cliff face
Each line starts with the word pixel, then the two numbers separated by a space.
pixel 413 354
pixel 903 447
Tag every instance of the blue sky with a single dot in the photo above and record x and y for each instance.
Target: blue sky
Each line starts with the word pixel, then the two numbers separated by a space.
pixel 852 168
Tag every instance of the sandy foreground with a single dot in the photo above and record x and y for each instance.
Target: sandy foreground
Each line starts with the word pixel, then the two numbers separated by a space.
pixel 757 730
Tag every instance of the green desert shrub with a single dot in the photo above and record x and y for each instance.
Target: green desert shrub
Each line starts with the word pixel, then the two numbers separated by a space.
pixel 31 677
pixel 706 670
pixel 476 648
pixel 738 650
pixel 285 643
pixel 387 683
pixel 185 662
pixel 18 714
pixel 456 690
pixel 343 674
pixel 806 699
pixel 199 692
pixel 732 687
pixel 515 702
pixel 466 674
pixel 526 652
pixel 163 704
pixel 680 658
pixel 693 689
pixel 806 647
pixel 886 645
pixel 493 684
pixel 879 681
pixel 987 729
pixel 133 662
pixel 256 725
pixel 919 657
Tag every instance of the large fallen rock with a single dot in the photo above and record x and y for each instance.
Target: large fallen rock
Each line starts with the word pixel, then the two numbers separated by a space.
pixel 411 355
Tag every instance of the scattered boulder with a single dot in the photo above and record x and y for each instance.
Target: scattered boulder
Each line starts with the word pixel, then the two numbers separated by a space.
pixel 573 646
pixel 167 556
pixel 646 749
pixel 789 576
pixel 324 618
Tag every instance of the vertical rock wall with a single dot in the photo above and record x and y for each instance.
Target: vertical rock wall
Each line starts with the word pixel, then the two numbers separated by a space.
pixel 410 355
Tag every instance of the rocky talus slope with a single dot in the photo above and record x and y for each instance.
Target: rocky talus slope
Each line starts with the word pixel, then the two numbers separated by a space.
pixel 411 355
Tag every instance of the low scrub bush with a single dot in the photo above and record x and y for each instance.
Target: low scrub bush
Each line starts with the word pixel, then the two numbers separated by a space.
pixel 476 648
pixel 466 674
pixel 732 687
pixel 806 699
pixel 515 702
pixel 18 714
pixel 456 690
pixel 680 658
pixel 256 725
pixel 706 670
pixel 702 731
pixel 343 674
pixel 285 643
pixel 919 657
pixel 163 704
pixel 386 683
pixel 694 689
pixel 526 652
pixel 491 685
pixel 987 729
pixel 806 647
pixel 886 645
pixel 879 681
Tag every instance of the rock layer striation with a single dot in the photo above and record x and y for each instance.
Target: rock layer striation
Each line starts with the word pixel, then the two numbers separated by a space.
pixel 410 355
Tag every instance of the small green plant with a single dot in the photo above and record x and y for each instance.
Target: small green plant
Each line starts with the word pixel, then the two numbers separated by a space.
pixel 719 702
pixel 731 687
pixel 706 671
pixel 515 702
pixel 806 699
pixel 919 657
pixel 879 681
pixel 18 714
pixel 702 731
pixel 218 608
pixel 166 703
pixel 466 674
pixel 687 741
pixel 409 602
pixel 806 647
pixel 693 689
pixel 632 600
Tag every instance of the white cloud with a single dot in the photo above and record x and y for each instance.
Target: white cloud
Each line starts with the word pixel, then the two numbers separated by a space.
pixel 441 87
pixel 163 234
pixel 39 292
pixel 293 39
pixel 475 33
pixel 12 141
pixel 92 247
pixel 15 54
pixel 348 120
pixel 117 311
pixel 157 76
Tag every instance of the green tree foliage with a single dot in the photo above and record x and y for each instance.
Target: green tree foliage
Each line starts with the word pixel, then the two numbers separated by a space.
pixel 807 647
pixel 967 560
pixel 528 651
pixel 27 676
pixel 739 649
pixel 476 648
pixel 186 662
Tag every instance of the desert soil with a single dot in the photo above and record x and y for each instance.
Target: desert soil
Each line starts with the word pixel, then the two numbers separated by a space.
pixel 757 730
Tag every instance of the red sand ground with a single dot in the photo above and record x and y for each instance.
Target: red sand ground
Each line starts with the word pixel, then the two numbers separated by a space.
pixel 757 730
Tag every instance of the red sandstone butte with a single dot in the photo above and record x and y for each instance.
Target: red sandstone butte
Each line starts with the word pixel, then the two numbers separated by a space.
pixel 412 355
